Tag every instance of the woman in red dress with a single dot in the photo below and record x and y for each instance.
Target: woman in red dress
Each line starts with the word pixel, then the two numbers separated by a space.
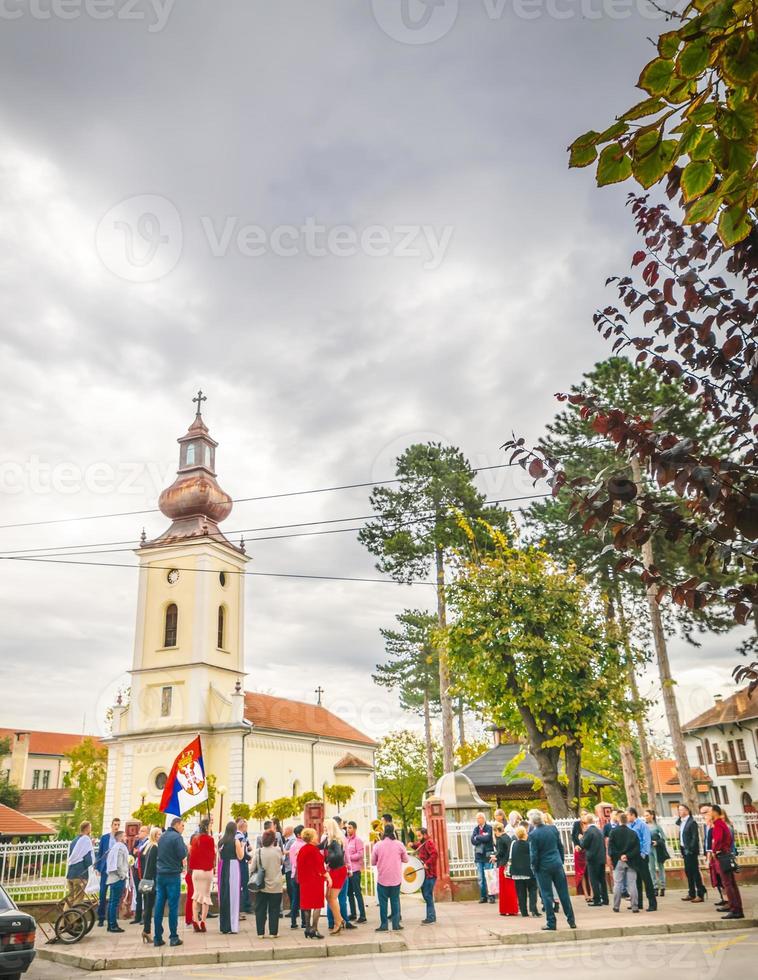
pixel 508 900
pixel 311 879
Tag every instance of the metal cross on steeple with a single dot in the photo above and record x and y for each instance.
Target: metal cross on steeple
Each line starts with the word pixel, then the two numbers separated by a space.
pixel 318 692
pixel 200 398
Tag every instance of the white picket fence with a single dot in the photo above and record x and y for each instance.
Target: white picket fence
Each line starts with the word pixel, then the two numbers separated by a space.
pixel 34 871
pixel 37 871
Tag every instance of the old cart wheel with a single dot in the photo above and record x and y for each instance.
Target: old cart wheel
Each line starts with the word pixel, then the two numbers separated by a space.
pixel 70 926
pixel 88 912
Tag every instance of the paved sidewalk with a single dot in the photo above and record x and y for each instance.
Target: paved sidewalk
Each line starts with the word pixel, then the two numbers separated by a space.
pixel 459 925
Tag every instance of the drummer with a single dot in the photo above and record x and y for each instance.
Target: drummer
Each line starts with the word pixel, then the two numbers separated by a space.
pixel 427 853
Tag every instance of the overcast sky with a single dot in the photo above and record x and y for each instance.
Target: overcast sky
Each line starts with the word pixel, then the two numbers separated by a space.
pixel 352 224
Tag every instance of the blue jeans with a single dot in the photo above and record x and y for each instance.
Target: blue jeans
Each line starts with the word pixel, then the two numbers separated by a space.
pixel 342 899
pixel 114 900
pixel 388 894
pixel 355 895
pixel 481 867
pixel 549 876
pixel 427 893
pixel 102 905
pixel 167 888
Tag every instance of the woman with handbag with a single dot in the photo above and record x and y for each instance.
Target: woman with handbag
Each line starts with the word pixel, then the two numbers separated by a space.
pixel 202 860
pixel 266 880
pixel 507 898
pixel 230 852
pixel 336 869
pixel 149 863
pixel 659 853
pixel 521 874
pixel 722 844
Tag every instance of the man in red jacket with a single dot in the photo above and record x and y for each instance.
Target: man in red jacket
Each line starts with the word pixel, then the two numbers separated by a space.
pixel 426 852
pixel 721 845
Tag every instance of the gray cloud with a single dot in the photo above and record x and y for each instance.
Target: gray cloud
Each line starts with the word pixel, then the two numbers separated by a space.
pixel 318 369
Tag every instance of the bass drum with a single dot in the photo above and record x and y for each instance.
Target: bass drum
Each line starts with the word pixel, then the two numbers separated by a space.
pixel 413 876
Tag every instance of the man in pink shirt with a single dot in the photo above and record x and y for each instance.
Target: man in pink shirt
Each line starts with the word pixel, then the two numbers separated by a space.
pixel 355 858
pixel 389 856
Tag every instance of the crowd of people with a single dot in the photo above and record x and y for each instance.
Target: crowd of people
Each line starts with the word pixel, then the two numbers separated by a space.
pixel 516 859
pixel 629 850
pixel 311 870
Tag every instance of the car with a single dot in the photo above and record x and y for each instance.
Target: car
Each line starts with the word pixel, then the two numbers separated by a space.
pixel 17 933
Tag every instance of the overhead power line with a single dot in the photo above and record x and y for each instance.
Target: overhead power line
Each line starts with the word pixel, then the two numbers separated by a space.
pixel 114 545
pixel 235 500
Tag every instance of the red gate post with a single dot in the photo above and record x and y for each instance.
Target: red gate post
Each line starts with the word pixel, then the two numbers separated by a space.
pixel 434 816
pixel 313 816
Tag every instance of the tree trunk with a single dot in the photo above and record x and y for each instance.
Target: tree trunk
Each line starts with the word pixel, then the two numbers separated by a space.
pixel 448 761
pixel 628 762
pixel 629 769
pixel 428 738
pixel 640 718
pixel 547 760
pixel 572 753
pixel 461 724
pixel 684 772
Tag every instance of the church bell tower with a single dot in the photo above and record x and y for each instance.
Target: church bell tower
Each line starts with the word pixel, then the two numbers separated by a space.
pixel 188 660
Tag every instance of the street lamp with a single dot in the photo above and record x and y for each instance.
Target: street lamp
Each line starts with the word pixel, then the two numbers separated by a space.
pixel 143 794
pixel 221 792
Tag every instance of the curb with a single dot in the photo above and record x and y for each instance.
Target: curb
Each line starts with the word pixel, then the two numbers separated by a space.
pixel 279 953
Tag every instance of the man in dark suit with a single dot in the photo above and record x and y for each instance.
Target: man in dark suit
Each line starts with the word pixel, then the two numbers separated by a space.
pixel 689 844
pixel 593 844
pixel 546 855
pixel 101 862
pixel 484 846
pixel 624 854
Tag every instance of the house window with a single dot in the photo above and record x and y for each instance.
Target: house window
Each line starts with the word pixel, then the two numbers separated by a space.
pixel 35 779
pixel 296 788
pixel 742 755
pixel 724 795
pixel 167 695
pixel 46 779
pixel 221 618
pixel 190 454
pixel 160 781
pixel 260 792
pixel 708 755
pixel 700 757
pixel 716 798
pixel 172 621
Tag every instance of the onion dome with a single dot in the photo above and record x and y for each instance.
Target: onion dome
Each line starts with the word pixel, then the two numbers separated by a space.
pixel 195 502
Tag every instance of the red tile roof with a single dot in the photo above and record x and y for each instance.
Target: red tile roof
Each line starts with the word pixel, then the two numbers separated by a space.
pixel 666 777
pixel 46 801
pixel 15 824
pixel 350 761
pixel 47 743
pixel 282 715
pixel 737 707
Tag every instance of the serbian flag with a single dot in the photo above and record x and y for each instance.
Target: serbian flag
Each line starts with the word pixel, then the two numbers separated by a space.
pixel 186 785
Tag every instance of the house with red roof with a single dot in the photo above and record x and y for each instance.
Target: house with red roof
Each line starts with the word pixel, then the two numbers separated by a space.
pixel 723 742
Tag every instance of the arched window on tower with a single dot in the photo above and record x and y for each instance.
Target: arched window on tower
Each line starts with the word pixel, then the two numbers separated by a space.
pixel 296 788
pixel 221 624
pixel 260 792
pixel 172 621
pixel 190 454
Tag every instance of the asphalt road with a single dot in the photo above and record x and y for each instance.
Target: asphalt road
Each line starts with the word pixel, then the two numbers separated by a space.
pixel 706 956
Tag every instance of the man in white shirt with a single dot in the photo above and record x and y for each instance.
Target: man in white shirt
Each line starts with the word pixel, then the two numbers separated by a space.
pixel 118 871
